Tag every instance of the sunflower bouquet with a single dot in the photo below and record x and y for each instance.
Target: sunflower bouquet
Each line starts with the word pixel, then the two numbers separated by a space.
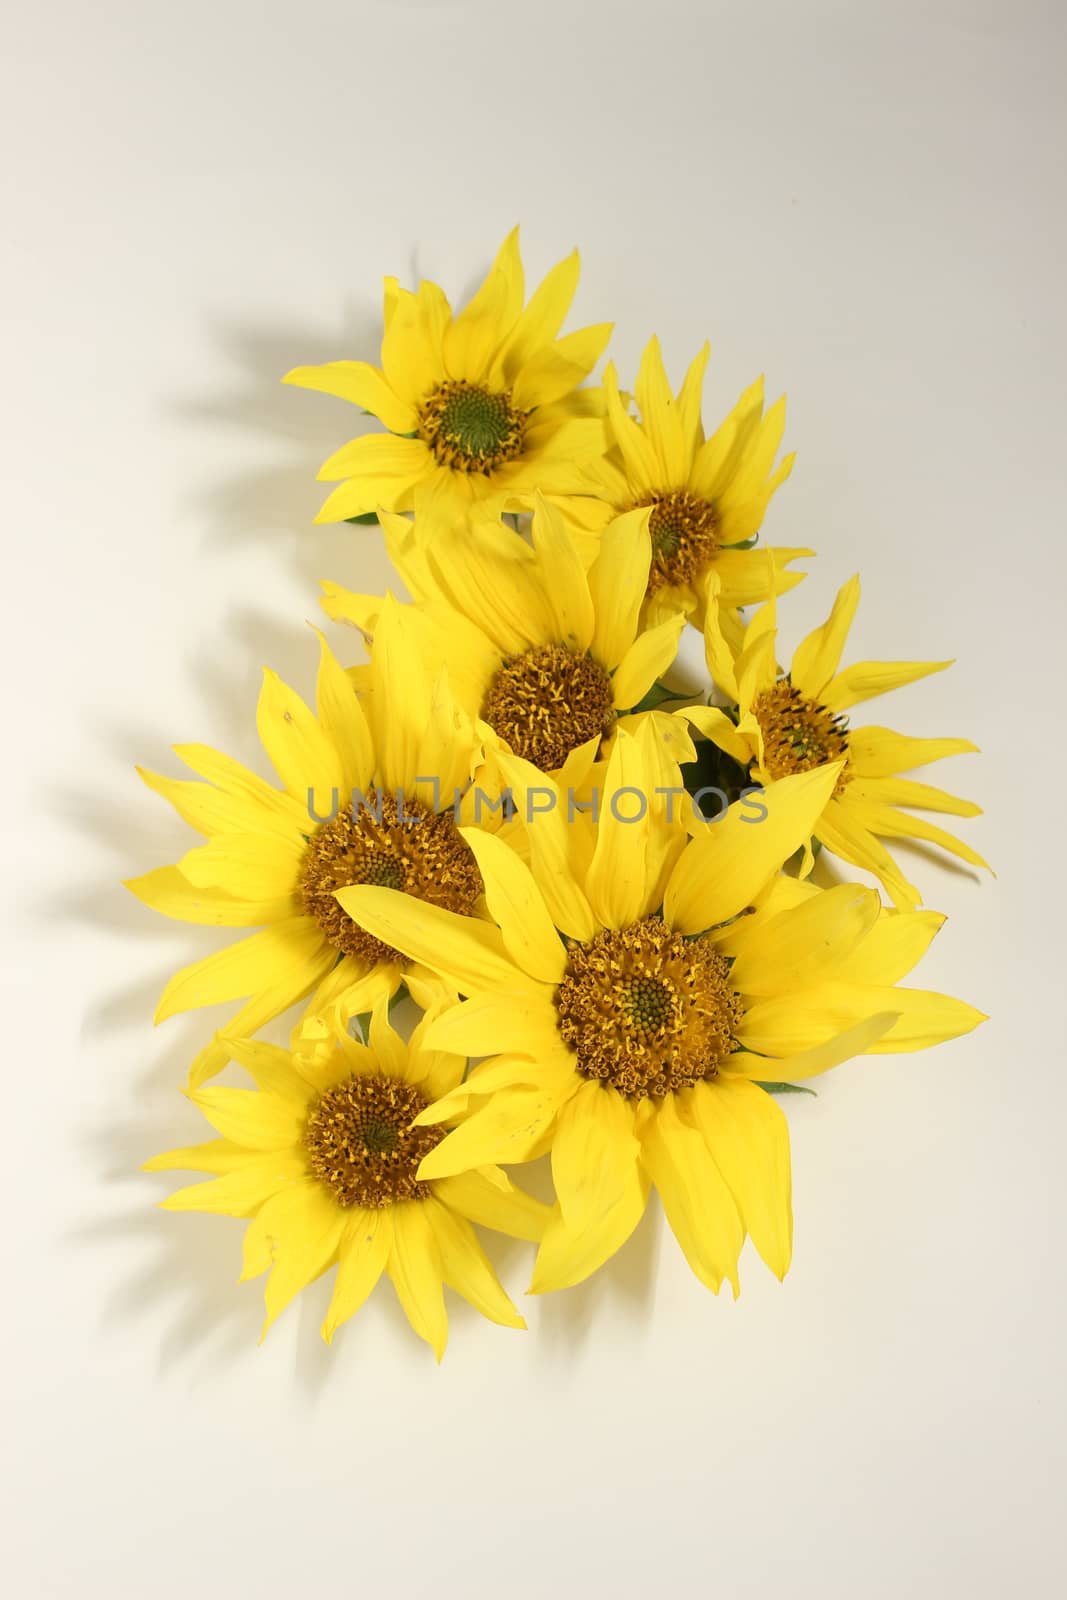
pixel 597 895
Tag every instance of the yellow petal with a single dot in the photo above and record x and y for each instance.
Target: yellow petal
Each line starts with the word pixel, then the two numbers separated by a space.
pixel 344 724
pixel 617 882
pixel 818 657
pixel 566 1257
pixel 749 1139
pixel 642 468
pixel 716 726
pixel 508 1129
pixel 568 589
pixel 553 843
pixel 700 1208
pixel 466 1267
pixel 843 832
pixel 360 384
pixel 898 940
pixel 792 1068
pixel 249 1117
pixel 308 1231
pixel 722 871
pixel 516 904
pixel 497 1021
pixel 905 792
pixel 216 1155
pixel 866 679
pixel 807 942
pixel 414 1265
pixel 272 808
pixel 508 1209
pixel 251 965
pixel 890 823
pixel 647 659
pixel 880 753
pixel 168 891
pixel 543 316
pixel 362 1253
pixel 659 415
pixel 249 866
pixel 307 764
pixel 617 582
pixel 471 954
pixel 594 1149
pixel 240 1194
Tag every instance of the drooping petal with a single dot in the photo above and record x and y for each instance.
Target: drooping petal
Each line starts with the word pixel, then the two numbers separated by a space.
pixel 308 1233
pixel 567 1257
pixel 700 1208
pixel 594 1150
pixel 506 1207
pixel 362 1253
pixel 466 1267
pixel 749 1138
pixel 414 1265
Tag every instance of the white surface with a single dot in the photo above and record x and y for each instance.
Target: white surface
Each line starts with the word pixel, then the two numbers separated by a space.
pixel 867 203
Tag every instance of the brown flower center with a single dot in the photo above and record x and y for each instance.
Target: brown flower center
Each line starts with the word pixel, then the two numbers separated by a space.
pixel 361 1143
pixel 647 1010
pixel 798 734
pixel 548 701
pixel 684 533
pixel 418 851
pixel 469 428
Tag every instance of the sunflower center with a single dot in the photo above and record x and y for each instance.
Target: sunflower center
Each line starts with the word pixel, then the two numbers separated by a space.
pixel 647 1010
pixel 416 850
pixel 470 428
pixel 362 1146
pixel 798 734
pixel 548 701
pixel 684 533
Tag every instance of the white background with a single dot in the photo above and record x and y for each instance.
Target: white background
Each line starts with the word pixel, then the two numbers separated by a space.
pixel 865 202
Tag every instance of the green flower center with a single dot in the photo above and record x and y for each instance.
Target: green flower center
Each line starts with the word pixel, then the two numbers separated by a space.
pixel 469 428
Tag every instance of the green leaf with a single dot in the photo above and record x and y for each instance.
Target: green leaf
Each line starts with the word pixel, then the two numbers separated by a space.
pixel 786 1088
pixel 658 695
pixel 366 519
pixel 713 769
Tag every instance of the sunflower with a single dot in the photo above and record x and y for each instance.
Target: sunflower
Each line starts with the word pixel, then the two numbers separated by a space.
pixel 481 406
pixel 547 658
pixel 798 722
pixel 631 1015
pixel 323 1157
pixel 707 497
pixel 367 795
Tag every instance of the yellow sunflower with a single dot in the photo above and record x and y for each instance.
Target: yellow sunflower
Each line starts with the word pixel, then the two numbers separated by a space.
pixel 630 1016
pixel 799 721
pixel 547 658
pixel 707 497
pixel 480 406
pixel 323 1157
pixel 274 857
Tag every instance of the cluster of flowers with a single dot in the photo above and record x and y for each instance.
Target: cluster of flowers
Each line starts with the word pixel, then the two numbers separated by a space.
pixel 636 983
